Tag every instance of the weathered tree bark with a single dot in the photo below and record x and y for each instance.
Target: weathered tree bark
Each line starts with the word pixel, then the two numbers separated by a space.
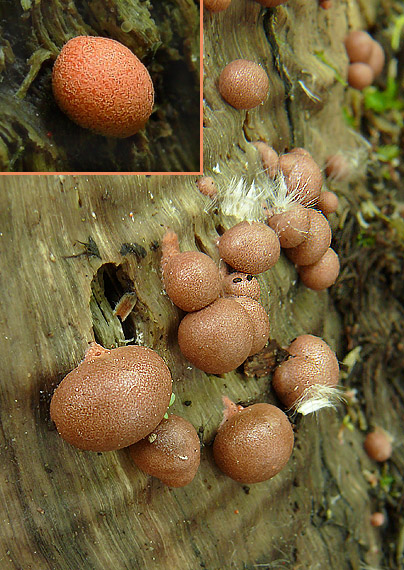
pixel 71 246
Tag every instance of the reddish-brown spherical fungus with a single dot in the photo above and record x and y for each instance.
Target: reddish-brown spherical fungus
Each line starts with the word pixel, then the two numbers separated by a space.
pixel 377 58
pixel 254 443
pixel 241 284
pixel 102 86
pixel 377 519
pixel 216 5
pixel 112 399
pixel 269 158
pixel 218 338
pixel 243 84
pixel 250 247
pixel 292 226
pixel 360 75
pixel 300 150
pixel 362 48
pixel 206 185
pixel 321 274
pixel 260 323
pixel 303 176
pixel 358 45
pixel 378 445
pixel 316 243
pixel 328 202
pixel 366 57
pixel 306 381
pixel 191 278
pixel 171 452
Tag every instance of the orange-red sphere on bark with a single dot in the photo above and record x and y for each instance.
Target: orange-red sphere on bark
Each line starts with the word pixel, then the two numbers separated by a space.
pixel 102 86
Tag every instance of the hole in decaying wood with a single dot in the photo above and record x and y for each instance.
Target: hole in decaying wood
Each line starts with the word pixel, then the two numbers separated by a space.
pixel 113 297
pixel 200 245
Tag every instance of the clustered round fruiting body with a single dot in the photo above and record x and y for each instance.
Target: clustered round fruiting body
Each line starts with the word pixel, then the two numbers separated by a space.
pixel 328 202
pixel 253 444
pixel 112 399
pixel 322 273
pixel 377 519
pixel 206 186
pixel 250 247
pixel 243 84
pixel 218 338
pixel 102 86
pixel 292 227
pixel 171 452
pixel 191 278
pixel 269 158
pixel 295 189
pixel 259 321
pixel 303 177
pixel 306 381
pixel 221 333
pixel 216 5
pixel 378 445
pixel 316 243
pixel 366 58
pixel 241 285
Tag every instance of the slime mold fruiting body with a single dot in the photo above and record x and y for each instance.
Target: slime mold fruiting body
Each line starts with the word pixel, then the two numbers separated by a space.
pixel 102 86
pixel 112 399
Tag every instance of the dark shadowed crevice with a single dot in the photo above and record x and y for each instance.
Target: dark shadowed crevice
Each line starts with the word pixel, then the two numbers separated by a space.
pixel 112 298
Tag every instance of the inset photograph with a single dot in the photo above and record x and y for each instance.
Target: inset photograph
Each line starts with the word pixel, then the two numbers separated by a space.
pixel 100 86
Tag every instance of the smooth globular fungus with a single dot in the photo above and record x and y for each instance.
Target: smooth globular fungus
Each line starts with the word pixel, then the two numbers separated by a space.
pixel 303 176
pixel 102 86
pixel 328 202
pixel 366 58
pixel 316 243
pixel 360 75
pixel 215 5
pixel 171 452
pixel 306 381
pixel 254 444
pixel 191 278
pixel 378 445
pixel 269 158
pixel 241 285
pixel 358 45
pixel 243 84
pixel 323 273
pixel 250 247
pixel 377 519
pixel 218 338
pixel 377 58
pixel 112 399
pixel 206 186
pixel 260 323
pixel 291 226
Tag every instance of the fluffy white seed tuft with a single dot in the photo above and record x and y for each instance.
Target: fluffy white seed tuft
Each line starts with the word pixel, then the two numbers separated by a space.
pixel 317 397
pixel 241 200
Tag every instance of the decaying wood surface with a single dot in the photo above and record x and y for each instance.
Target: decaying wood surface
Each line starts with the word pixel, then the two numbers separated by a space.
pixel 72 245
